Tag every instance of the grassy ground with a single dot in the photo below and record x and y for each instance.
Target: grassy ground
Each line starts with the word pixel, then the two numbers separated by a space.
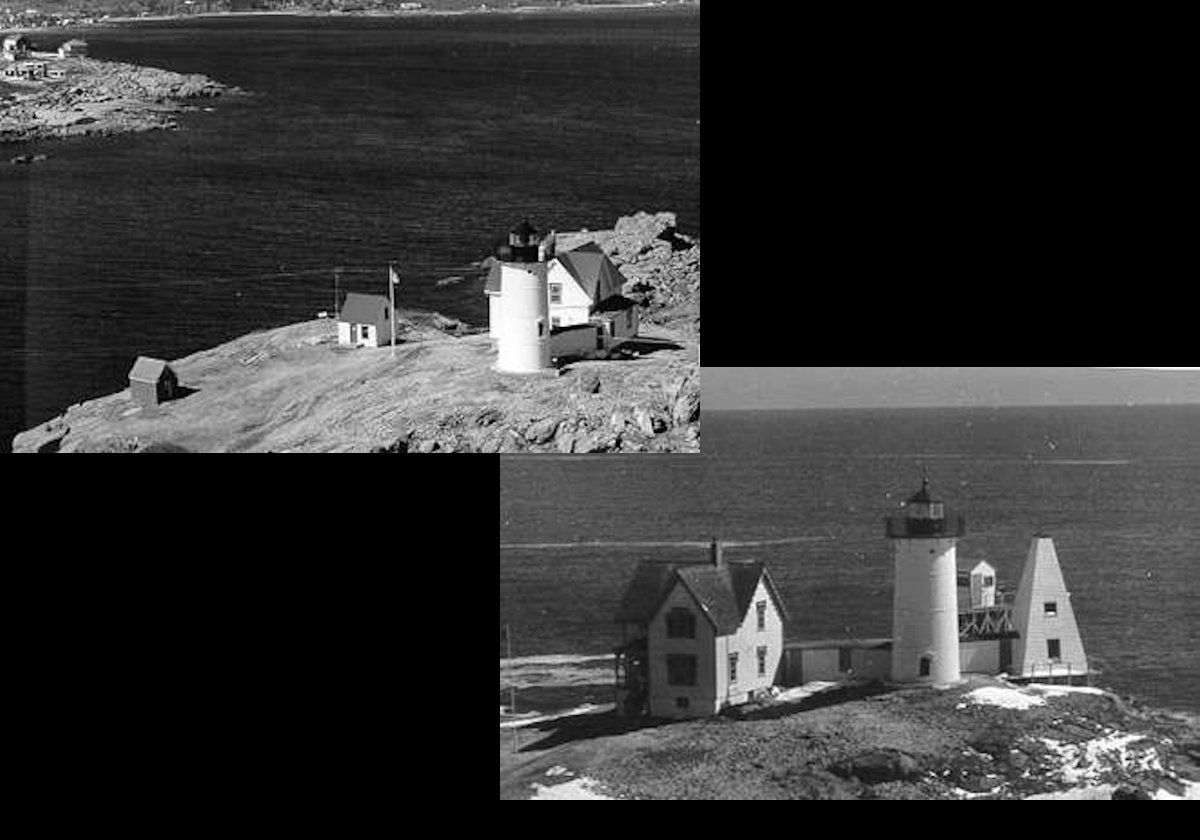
pixel 295 389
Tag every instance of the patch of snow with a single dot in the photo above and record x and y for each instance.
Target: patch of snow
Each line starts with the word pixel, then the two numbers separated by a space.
pixel 1096 792
pixel 1062 690
pixel 529 718
pixel 581 788
pixel 1192 791
pixel 806 690
pixel 1008 698
pixel 1086 762
pixel 559 770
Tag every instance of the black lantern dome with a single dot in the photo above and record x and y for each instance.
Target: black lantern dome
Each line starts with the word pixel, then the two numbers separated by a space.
pixel 522 244
pixel 925 516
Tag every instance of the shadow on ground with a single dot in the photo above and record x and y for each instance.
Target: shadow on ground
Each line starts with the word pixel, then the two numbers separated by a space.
pixel 817 701
pixel 583 727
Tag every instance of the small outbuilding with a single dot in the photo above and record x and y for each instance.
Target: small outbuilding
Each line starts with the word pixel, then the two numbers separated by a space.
pixel 365 321
pixel 75 46
pixel 151 381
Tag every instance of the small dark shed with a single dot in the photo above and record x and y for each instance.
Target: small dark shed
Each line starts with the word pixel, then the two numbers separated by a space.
pixel 151 381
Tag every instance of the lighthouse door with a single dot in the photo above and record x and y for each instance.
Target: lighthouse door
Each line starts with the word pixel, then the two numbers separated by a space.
pixel 926 664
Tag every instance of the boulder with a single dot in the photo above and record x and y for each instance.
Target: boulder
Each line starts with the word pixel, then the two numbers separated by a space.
pixel 542 431
pixel 1130 792
pixel 877 766
pixel 588 382
pixel 488 416
pixel 687 405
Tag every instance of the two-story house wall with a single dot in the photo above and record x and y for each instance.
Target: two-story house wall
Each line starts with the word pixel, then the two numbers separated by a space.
pixel 713 636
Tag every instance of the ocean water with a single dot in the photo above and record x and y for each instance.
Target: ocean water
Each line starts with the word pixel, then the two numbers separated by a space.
pixel 807 491
pixel 420 140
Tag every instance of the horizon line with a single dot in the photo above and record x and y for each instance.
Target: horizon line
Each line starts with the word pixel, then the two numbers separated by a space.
pixel 965 407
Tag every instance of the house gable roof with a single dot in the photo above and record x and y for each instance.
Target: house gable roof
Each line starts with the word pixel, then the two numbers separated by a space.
pixel 595 273
pixel 363 309
pixel 146 369
pixel 724 594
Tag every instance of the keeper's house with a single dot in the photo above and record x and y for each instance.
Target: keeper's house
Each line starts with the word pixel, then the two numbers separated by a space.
pixel 698 637
pixel 365 321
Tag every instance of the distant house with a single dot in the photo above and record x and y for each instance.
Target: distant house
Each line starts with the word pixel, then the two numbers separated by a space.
pixel 15 47
pixel 976 584
pixel 73 47
pixel 698 637
pixel 365 321
pixel 151 381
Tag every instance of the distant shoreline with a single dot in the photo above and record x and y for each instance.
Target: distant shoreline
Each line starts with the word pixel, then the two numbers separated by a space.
pixel 306 13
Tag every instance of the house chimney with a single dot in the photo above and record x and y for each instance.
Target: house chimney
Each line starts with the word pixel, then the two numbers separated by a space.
pixel 714 549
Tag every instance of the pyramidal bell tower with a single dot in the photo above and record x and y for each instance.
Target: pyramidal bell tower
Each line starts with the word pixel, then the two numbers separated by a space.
pixel 1049 645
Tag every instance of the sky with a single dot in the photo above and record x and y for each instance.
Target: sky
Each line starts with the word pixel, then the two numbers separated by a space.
pixel 917 387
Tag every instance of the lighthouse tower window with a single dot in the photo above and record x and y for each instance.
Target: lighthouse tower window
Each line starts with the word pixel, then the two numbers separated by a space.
pixel 1051 608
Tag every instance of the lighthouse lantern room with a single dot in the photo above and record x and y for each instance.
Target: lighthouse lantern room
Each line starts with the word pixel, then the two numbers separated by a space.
pixel 925 602
pixel 524 334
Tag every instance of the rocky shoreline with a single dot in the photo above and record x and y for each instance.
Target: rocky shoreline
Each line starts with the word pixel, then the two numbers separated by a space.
pixel 984 739
pixel 100 98
pixel 293 388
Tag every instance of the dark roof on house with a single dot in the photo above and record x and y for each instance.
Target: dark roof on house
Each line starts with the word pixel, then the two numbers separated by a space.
pixel 593 271
pixel 493 278
pixel 363 309
pixel 146 369
pixel 616 303
pixel 828 644
pixel 723 593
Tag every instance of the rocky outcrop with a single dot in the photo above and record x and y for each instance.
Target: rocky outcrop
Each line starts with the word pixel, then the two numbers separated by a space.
pixel 99 98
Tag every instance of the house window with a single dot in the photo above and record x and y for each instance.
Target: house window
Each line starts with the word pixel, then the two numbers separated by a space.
pixel 1054 649
pixel 385 313
pixel 762 616
pixel 681 624
pixel 555 321
pixel 681 703
pixel 541 327
pixel 926 665
pixel 1051 608
pixel 681 669
pixel 964 580
pixel 733 657
pixel 988 580
pixel 845 659
pixel 556 292
pixel 762 661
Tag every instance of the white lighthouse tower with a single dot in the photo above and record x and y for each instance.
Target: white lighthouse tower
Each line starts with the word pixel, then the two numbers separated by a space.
pixel 925 604
pixel 524 333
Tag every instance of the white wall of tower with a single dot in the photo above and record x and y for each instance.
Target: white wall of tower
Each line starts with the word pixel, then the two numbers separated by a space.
pixel 524 336
pixel 925 610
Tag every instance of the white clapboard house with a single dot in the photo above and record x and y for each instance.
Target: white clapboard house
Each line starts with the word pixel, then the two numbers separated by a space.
pixel 365 321
pixel 698 637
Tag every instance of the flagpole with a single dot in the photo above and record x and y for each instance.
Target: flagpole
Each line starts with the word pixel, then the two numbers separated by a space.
pixel 336 272
pixel 392 292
